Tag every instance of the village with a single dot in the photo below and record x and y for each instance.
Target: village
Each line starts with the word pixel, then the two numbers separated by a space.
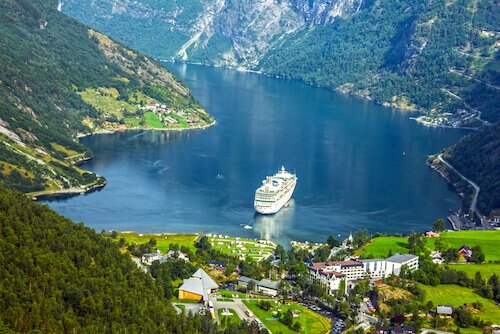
pixel 330 287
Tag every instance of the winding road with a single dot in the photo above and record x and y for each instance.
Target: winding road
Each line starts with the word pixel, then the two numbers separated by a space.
pixel 473 205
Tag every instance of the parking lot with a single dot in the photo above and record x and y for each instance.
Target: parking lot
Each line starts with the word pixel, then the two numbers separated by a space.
pixel 337 323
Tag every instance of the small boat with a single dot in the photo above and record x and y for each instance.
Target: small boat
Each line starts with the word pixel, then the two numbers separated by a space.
pixel 247 227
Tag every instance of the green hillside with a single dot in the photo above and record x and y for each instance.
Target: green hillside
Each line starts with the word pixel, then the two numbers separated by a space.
pixel 477 157
pixel 406 54
pixel 488 240
pixel 59 78
pixel 62 277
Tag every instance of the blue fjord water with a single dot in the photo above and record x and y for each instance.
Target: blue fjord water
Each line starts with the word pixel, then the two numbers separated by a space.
pixel 359 165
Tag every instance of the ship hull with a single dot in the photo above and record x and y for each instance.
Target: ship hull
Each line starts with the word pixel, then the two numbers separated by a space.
pixel 264 208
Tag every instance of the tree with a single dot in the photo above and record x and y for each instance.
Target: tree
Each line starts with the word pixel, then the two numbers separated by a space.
pixel 439 225
pixel 463 316
pixel 332 241
pixel 203 244
pixel 114 234
pixel 287 318
pixel 251 286
pixel 280 252
pixel 398 319
pixel 322 254
pixel 121 242
pixel 477 255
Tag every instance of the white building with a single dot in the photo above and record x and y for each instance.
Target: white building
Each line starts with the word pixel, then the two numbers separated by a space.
pixel 351 269
pixel 149 258
pixel 329 279
pixel 268 287
pixel 380 268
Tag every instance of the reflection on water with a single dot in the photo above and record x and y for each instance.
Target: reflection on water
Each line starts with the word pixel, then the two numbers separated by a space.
pixel 271 227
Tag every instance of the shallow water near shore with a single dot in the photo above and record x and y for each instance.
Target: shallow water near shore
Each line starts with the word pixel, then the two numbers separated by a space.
pixel 359 165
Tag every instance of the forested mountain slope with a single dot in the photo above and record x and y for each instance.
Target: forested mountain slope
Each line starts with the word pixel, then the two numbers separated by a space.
pixel 438 57
pixel 478 158
pixel 62 277
pixel 59 78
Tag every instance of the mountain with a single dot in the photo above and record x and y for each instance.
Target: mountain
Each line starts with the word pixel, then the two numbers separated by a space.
pixel 59 78
pixel 477 157
pixel 439 57
pixel 62 277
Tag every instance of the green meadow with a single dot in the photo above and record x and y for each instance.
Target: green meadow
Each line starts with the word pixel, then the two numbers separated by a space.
pixel 457 295
pixel 488 240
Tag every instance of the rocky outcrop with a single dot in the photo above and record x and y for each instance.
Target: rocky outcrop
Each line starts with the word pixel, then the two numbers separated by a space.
pixel 325 11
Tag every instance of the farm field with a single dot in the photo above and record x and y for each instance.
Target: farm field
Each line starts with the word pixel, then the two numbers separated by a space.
pixel 153 121
pixel 486 269
pixel 457 295
pixel 310 321
pixel 162 240
pixel 488 240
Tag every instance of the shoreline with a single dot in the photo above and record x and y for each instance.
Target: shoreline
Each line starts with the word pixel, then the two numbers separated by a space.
pixel 75 191
pixel 112 131
pixel 88 188
pixel 336 90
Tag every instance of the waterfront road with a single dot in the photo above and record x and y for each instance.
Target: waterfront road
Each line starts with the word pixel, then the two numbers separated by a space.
pixel 473 205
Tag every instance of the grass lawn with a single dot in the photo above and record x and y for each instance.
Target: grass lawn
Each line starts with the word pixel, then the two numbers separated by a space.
pixel 162 240
pixel 379 247
pixel 457 295
pixel 106 100
pixel 236 294
pixel 153 121
pixel 488 240
pixel 486 269
pixel 132 121
pixel 225 320
pixel 310 321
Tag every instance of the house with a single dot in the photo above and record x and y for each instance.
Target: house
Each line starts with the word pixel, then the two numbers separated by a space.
pixel 243 281
pixel 198 287
pixel 437 257
pixel 152 106
pixel 220 265
pixel 446 310
pixel 264 286
pixel 465 251
pixel 174 255
pixel 431 234
pixel 149 258
pixel 268 287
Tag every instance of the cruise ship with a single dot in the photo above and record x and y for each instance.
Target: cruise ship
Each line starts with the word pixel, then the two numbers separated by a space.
pixel 275 192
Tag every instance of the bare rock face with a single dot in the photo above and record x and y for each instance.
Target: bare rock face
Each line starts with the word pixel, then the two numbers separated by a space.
pixel 223 32
pixel 325 11
pixel 253 26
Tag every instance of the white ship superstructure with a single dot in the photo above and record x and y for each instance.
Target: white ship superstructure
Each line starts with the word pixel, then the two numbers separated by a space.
pixel 275 192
